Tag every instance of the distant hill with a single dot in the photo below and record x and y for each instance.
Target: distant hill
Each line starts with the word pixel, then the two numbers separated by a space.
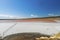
pixel 38 19
pixel 33 18
pixel 53 17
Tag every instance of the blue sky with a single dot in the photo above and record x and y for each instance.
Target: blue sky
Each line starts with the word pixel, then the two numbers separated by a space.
pixel 29 8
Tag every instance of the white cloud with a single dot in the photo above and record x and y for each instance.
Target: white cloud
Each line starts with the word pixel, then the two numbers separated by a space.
pixel 7 16
pixel 53 15
pixel 4 16
pixel 50 15
pixel 32 15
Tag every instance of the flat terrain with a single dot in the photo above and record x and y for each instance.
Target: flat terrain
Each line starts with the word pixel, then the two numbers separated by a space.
pixel 45 26
pixel 31 20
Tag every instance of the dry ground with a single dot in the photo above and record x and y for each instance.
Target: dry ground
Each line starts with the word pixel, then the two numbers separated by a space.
pixel 24 36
